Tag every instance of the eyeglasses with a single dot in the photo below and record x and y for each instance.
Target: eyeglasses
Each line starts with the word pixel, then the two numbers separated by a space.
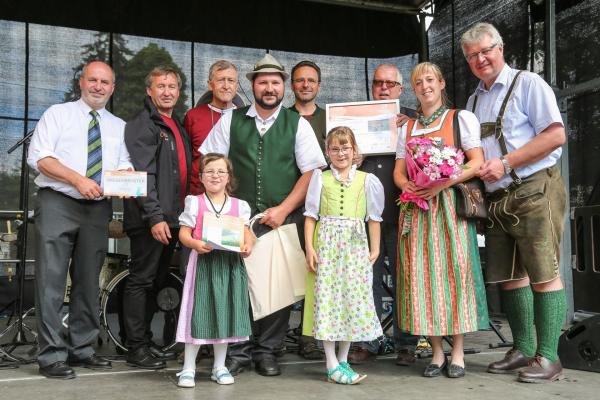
pixel 390 84
pixel 310 81
pixel 219 173
pixel 340 150
pixel 485 52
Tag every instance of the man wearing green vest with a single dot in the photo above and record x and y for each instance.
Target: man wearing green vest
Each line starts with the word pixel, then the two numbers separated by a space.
pixel 273 151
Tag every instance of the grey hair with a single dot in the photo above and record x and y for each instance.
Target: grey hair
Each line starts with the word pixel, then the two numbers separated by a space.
pixel 476 33
pixel 387 65
pixel 220 65
pixel 161 70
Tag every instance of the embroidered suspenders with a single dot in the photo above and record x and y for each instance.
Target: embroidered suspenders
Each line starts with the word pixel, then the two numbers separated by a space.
pixel 495 128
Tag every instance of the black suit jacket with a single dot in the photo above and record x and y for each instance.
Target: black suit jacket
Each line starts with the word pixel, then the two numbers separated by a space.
pixel 383 168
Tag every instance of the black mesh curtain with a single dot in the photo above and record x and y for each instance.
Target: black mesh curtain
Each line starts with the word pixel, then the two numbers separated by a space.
pixel 578 41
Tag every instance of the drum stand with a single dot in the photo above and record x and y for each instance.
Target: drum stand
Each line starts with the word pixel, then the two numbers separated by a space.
pixel 20 337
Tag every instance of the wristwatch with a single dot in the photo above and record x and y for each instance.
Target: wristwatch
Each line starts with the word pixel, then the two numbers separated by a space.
pixel 507 168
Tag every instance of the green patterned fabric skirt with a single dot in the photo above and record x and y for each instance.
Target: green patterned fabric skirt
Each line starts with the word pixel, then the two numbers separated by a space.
pixel 440 288
pixel 221 300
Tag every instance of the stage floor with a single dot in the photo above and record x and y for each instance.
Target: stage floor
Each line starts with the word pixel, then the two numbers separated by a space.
pixel 300 379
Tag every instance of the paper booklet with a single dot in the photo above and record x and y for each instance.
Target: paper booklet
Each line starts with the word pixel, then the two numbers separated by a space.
pixel 224 232
pixel 124 183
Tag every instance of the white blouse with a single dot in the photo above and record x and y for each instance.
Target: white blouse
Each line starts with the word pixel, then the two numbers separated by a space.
pixel 373 190
pixel 190 213
pixel 470 132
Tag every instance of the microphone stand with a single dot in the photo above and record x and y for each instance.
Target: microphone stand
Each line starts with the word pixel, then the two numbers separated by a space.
pixel 20 338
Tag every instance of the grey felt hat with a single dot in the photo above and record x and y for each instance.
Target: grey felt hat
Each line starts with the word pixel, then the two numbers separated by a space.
pixel 267 64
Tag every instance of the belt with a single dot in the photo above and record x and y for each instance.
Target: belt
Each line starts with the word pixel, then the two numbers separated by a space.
pixel 80 201
pixel 498 194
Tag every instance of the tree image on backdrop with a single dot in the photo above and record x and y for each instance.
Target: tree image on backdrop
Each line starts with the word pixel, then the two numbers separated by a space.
pixel 130 68
pixel 99 50
pixel 131 90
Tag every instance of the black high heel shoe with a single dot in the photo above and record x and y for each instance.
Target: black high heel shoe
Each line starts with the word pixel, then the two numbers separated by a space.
pixel 434 370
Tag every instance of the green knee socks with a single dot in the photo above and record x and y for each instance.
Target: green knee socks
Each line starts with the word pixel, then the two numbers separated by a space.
pixel 550 313
pixel 518 306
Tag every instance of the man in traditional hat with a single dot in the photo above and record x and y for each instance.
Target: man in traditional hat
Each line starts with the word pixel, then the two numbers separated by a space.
pixel 273 151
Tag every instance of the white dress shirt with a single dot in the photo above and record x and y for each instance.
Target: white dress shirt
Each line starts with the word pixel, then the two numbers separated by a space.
pixel 531 109
pixel 470 132
pixel 373 192
pixel 306 148
pixel 62 133
pixel 190 213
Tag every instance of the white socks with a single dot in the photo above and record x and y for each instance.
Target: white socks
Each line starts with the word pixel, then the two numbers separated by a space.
pixel 342 356
pixel 190 353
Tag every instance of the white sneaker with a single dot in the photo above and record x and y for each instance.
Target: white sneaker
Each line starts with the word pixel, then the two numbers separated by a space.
pixel 186 378
pixel 222 376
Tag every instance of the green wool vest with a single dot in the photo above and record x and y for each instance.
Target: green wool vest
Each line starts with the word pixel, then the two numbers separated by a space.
pixel 265 167
pixel 338 200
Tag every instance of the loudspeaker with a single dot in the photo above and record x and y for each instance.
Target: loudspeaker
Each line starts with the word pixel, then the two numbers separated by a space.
pixel 579 347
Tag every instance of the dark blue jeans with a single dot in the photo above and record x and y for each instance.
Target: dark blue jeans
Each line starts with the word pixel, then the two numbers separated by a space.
pixel 388 248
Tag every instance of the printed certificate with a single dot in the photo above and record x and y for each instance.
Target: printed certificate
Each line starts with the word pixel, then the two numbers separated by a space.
pixel 373 123
pixel 125 183
pixel 223 232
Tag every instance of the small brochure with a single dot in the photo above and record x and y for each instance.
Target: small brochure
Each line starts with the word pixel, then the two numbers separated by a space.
pixel 223 232
pixel 125 183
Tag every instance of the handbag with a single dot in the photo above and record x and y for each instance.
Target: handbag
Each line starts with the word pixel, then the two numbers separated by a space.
pixel 470 199
pixel 276 270
pixel 469 195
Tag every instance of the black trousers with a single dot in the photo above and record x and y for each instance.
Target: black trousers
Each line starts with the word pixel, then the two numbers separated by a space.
pixel 71 237
pixel 268 332
pixel 148 271
pixel 267 335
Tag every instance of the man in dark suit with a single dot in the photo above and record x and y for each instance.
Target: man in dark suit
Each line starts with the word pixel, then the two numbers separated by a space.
pixel 387 85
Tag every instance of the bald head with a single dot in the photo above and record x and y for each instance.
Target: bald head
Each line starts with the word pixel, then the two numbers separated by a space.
pixel 97 83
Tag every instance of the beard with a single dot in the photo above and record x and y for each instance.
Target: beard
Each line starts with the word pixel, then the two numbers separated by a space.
pixel 266 106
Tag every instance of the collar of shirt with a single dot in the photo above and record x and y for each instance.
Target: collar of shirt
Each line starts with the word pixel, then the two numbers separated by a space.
pixel 221 110
pixel 338 176
pixel 85 109
pixel 502 79
pixel 254 114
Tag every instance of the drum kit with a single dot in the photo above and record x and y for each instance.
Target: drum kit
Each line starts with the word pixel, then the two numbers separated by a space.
pixel 112 281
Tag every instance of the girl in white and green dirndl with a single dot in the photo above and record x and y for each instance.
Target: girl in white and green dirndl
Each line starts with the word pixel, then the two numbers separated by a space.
pixel 338 203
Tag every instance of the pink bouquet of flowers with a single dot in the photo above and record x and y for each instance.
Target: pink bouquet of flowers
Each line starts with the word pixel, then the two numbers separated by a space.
pixel 429 163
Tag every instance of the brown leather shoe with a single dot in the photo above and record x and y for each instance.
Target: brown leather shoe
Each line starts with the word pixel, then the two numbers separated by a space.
pixel 406 358
pixel 541 370
pixel 360 356
pixel 513 360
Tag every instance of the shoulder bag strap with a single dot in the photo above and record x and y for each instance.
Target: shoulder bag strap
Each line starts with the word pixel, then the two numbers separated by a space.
pixel 456 128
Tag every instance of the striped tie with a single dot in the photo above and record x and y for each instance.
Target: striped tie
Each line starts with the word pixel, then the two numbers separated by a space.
pixel 94 163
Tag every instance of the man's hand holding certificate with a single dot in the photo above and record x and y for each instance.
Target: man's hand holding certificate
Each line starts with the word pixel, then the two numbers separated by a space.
pixel 125 183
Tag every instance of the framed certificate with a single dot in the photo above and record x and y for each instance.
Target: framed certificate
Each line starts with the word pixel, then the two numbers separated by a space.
pixel 125 183
pixel 373 123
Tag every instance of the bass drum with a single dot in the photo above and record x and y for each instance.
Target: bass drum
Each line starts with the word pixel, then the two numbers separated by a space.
pixel 164 320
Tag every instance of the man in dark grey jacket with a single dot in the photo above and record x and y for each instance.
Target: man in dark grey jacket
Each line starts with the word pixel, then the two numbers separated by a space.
pixel 159 145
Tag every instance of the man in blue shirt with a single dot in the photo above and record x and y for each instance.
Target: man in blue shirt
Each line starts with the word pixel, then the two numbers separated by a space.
pixel 522 134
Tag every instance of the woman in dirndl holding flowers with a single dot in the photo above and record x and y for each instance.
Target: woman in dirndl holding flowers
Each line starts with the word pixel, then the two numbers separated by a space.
pixel 440 288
